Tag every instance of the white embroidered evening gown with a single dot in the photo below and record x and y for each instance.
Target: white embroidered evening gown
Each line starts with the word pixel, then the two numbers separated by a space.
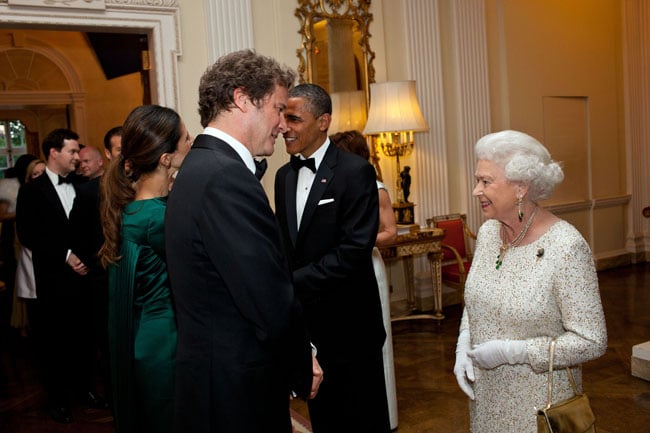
pixel 545 289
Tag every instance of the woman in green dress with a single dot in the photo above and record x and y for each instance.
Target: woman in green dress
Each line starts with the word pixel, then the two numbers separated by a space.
pixel 142 327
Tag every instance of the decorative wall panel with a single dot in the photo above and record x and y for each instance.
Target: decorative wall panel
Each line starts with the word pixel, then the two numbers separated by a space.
pixel 229 26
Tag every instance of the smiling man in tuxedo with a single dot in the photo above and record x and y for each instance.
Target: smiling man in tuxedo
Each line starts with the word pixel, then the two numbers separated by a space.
pixel 61 322
pixel 327 204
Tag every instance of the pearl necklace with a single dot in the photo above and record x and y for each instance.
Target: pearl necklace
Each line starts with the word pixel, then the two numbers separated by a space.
pixel 516 241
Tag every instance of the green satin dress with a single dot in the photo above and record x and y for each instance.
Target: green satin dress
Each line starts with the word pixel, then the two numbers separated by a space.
pixel 142 326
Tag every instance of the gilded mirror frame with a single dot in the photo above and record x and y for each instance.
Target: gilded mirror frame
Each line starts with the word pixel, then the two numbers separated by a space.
pixel 310 11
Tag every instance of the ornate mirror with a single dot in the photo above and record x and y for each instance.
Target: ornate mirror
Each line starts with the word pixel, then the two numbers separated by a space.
pixel 335 51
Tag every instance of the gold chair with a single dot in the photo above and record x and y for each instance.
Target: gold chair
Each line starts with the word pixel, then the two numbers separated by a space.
pixel 457 254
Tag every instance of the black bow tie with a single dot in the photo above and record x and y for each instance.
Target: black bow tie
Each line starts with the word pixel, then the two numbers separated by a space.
pixel 260 168
pixel 67 179
pixel 297 163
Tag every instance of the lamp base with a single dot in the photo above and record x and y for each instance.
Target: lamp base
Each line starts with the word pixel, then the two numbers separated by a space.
pixel 404 213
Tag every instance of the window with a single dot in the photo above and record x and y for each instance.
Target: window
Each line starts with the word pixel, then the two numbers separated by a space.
pixel 13 142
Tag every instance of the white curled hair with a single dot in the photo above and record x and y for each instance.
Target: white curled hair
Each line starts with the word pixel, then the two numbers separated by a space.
pixel 523 159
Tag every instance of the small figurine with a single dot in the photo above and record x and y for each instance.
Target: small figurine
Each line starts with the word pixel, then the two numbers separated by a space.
pixel 406 182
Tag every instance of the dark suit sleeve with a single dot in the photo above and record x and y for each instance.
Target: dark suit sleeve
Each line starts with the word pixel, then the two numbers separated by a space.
pixel 346 240
pixel 87 237
pixel 36 224
pixel 41 227
pixel 236 218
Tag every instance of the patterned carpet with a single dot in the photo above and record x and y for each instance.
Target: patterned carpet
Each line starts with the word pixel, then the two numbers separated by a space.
pixel 300 424
pixel 429 399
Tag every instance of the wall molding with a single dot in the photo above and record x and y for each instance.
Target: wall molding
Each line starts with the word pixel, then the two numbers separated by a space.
pixel 152 3
pixel 589 205
pixel 229 27
pixel 160 20
pixel 424 65
pixel 636 61
pixel 163 3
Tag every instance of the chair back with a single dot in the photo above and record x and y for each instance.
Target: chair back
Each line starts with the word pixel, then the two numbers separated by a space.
pixel 455 230
pixel 454 236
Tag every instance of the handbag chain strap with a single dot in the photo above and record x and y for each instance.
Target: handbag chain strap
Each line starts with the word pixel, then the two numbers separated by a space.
pixel 550 376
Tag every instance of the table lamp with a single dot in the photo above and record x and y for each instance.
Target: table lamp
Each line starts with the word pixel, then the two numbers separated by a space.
pixel 394 116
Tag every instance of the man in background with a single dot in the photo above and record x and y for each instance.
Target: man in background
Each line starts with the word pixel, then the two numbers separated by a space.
pixel 113 142
pixel 327 205
pixel 62 328
pixel 87 240
pixel 91 162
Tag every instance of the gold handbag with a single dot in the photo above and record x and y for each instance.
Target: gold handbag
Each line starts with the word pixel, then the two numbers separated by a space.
pixel 573 415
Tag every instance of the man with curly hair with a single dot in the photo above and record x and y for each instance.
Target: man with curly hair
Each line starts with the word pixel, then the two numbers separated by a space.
pixel 242 346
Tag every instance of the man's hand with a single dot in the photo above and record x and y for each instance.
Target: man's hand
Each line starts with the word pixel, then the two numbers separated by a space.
pixel 76 264
pixel 317 377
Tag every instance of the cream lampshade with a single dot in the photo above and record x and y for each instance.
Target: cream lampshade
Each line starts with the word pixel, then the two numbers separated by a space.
pixel 394 108
pixel 348 111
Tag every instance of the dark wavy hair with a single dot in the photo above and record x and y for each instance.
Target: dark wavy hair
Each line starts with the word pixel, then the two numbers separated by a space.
pixel 149 131
pixel 113 132
pixel 317 100
pixel 257 75
pixel 22 165
pixel 54 140
pixel 352 141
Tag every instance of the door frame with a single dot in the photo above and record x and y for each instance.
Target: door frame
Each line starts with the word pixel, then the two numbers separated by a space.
pixel 160 23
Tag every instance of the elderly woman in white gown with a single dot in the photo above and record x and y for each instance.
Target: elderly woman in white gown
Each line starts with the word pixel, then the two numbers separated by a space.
pixel 532 280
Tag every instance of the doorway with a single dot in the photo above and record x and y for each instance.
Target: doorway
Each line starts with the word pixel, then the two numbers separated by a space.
pixel 92 111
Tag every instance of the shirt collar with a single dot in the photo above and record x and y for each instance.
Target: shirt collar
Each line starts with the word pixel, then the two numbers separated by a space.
pixel 320 153
pixel 52 175
pixel 237 146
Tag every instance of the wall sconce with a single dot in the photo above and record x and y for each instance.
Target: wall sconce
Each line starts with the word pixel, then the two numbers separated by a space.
pixel 348 111
pixel 395 115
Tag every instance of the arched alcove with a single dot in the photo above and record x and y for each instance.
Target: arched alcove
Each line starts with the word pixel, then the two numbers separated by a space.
pixel 26 70
pixel 159 20
pixel 38 82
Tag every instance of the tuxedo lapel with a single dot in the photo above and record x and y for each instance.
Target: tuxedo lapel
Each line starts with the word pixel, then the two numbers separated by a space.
pixel 51 195
pixel 205 141
pixel 290 185
pixel 323 177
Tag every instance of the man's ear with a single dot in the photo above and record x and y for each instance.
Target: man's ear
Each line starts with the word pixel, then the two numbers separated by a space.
pixel 324 121
pixel 241 100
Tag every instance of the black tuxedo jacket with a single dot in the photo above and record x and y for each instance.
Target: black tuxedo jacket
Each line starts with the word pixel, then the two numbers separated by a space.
pixel 43 227
pixel 85 218
pixel 242 346
pixel 331 254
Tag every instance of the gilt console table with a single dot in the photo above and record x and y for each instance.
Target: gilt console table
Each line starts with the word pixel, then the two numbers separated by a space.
pixel 421 241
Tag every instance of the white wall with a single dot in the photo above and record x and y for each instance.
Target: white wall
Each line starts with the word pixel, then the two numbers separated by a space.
pixel 192 62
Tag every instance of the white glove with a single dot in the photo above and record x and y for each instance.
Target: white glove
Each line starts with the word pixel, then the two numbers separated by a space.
pixel 464 369
pixel 494 353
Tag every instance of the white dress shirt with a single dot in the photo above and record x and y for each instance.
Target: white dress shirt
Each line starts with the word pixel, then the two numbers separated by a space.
pixel 306 179
pixel 65 191
pixel 241 150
